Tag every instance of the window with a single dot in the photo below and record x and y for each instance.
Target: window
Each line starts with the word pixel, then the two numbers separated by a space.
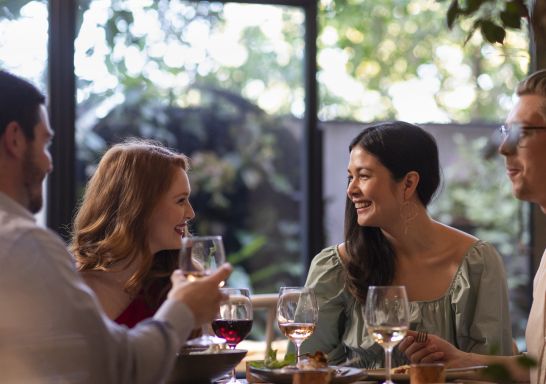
pixel 23 45
pixel 222 83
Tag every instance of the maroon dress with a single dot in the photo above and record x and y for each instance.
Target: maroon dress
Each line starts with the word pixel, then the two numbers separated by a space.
pixel 137 311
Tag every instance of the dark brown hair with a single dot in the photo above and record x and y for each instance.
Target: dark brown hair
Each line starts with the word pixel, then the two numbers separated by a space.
pixel 401 147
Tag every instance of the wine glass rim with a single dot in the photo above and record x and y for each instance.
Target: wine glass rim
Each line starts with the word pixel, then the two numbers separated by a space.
pixel 234 289
pixel 295 287
pixel 386 286
pixel 202 238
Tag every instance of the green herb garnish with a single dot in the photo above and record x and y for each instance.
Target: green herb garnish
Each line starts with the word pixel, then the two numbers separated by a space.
pixel 271 361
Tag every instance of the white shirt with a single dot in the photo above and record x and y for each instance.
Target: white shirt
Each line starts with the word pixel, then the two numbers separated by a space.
pixel 534 334
pixel 52 329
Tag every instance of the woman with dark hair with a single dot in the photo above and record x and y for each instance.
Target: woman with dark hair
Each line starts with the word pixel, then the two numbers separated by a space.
pixel 455 282
pixel 135 210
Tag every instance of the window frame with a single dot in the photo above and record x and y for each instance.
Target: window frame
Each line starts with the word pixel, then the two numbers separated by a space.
pixel 61 197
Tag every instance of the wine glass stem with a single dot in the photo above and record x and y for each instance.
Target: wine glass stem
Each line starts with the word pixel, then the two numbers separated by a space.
pixel 298 358
pixel 388 353
pixel 233 373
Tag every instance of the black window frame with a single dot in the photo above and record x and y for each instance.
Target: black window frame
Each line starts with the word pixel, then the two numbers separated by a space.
pixel 61 197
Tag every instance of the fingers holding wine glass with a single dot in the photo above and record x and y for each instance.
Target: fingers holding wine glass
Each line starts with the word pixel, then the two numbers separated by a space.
pixel 297 314
pixel 203 297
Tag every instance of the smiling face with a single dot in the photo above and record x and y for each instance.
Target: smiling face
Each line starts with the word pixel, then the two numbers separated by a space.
pixel 169 219
pixel 375 194
pixel 526 167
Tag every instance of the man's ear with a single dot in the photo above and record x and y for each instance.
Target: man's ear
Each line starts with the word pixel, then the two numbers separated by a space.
pixel 14 141
pixel 410 182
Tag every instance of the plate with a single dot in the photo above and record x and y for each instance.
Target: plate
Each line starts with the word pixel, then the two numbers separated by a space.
pixel 451 373
pixel 284 376
pixel 204 367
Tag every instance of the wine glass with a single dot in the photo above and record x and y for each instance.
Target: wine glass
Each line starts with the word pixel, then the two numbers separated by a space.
pixel 199 256
pixel 234 321
pixel 297 314
pixel 387 318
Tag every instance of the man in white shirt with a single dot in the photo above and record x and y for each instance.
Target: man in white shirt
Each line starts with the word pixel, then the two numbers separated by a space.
pixel 52 329
pixel 524 150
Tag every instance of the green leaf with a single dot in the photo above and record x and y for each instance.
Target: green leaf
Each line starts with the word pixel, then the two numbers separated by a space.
pixel 472 6
pixel 510 20
pixel 511 16
pixel 452 13
pixel 492 32
pixel 271 361
pixel 475 26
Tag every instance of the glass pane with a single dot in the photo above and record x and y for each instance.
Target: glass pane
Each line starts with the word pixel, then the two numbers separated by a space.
pixel 403 63
pixel 222 83
pixel 23 46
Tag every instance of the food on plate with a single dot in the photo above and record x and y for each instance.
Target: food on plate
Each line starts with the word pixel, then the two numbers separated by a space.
pixel 271 361
pixel 403 369
pixel 318 360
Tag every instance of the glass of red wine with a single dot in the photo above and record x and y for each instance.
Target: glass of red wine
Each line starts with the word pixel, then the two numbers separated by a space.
pixel 234 321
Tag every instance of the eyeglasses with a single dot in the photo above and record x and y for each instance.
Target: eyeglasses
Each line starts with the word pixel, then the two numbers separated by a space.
pixel 517 135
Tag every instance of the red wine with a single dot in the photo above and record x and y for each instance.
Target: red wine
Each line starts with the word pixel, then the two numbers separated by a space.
pixel 232 330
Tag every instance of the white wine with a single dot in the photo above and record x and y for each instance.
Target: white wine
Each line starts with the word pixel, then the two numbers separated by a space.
pixel 387 336
pixel 195 275
pixel 297 331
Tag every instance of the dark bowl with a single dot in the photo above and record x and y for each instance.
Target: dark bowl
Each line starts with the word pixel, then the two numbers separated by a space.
pixel 204 368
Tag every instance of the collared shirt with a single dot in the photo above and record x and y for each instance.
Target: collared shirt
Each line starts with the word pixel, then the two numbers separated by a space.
pixel 536 325
pixel 52 329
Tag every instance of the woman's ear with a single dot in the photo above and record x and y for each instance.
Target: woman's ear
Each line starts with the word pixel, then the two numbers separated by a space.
pixel 410 182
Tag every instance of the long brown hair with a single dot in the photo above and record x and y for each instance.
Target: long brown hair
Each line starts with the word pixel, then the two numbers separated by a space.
pixel 400 147
pixel 112 221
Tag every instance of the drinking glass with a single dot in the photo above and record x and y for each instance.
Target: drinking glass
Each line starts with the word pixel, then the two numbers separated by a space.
pixel 387 318
pixel 297 314
pixel 199 256
pixel 234 321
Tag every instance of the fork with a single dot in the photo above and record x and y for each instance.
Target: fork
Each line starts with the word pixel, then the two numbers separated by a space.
pixel 422 336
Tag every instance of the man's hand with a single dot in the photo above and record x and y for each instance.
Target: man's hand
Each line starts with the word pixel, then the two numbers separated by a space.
pixel 202 296
pixel 435 349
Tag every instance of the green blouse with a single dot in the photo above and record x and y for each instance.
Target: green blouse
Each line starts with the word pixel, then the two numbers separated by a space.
pixel 473 314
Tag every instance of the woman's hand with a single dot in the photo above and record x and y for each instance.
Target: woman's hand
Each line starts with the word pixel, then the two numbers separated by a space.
pixel 436 349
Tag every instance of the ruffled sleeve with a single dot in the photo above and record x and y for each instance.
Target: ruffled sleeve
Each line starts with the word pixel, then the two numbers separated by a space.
pixel 326 276
pixel 480 301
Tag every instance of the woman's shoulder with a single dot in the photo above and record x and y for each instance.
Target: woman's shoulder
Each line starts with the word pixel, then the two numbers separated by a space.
pixel 326 268
pixel 481 260
pixel 482 253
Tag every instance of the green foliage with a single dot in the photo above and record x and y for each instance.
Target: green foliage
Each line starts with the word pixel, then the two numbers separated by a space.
pixel 271 361
pixel 405 41
pixel 492 17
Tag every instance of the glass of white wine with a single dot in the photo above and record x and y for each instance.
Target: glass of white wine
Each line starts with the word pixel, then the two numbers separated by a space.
pixel 200 256
pixel 387 319
pixel 297 314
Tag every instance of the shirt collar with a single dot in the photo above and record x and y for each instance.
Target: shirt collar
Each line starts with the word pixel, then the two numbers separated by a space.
pixel 12 206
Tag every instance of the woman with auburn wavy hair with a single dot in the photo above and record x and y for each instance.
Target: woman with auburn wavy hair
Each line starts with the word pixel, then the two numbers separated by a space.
pixel 451 278
pixel 135 210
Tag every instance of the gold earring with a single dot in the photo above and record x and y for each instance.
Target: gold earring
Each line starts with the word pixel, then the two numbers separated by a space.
pixel 408 213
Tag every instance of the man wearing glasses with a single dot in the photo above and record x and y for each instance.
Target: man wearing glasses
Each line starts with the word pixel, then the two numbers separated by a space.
pixel 523 146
